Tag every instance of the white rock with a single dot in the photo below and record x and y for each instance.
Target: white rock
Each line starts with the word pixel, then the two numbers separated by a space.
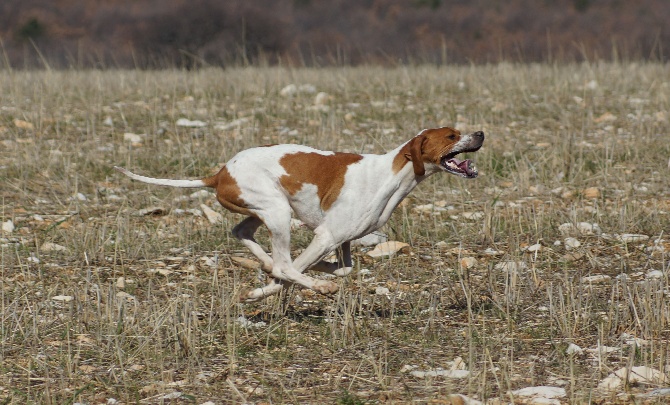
pixel 371 239
pixel 571 243
pixel 598 278
pixel 574 349
pixel 245 323
pixel 511 266
pixel 566 228
pixel 33 259
pixel 462 399
pixel 407 368
pixel 132 138
pixel 322 98
pixel 534 248
pixel 382 291
pixel 184 122
pixel 121 283
pixel 637 375
pixel 289 90
pixel 124 295
pixel 108 121
pixel 586 228
pixel 209 262
pixel 212 216
pixel 8 226
pixel 439 372
pixel 63 298
pixel 387 249
pixel 633 341
pixel 632 237
pixel 52 247
pixel 468 262
pixel 655 274
pixel 473 216
pixel 201 194
pixel 225 126
pixel 540 392
pixel 492 252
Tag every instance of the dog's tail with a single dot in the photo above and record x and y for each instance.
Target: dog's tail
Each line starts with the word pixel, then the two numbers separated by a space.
pixel 206 182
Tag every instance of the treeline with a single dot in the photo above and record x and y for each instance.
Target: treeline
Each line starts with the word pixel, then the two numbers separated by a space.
pixel 192 33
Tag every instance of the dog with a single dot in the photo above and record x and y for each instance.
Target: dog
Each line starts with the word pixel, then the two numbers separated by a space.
pixel 339 196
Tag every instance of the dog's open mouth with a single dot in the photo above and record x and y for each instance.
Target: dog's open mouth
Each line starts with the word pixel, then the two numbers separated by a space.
pixel 463 168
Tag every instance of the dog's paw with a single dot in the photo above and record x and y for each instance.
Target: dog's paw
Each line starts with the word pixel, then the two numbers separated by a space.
pixel 326 287
pixel 247 296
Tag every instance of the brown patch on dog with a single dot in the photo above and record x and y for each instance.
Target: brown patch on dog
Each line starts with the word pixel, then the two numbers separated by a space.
pixel 326 172
pixel 439 142
pixel 429 146
pixel 228 192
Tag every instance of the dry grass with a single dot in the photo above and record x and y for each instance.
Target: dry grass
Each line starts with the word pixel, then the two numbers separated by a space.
pixel 171 325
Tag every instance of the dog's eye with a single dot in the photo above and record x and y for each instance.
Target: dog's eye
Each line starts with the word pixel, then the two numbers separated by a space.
pixel 452 137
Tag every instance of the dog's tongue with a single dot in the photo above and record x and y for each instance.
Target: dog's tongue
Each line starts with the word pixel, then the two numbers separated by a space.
pixel 464 165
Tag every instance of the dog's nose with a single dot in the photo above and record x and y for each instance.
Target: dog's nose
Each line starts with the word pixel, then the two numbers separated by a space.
pixel 479 134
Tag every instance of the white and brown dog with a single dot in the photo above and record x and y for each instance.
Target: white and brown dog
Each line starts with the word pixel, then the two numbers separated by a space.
pixel 340 196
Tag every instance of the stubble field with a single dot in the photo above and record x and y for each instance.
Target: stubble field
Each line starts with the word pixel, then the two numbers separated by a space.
pixel 549 269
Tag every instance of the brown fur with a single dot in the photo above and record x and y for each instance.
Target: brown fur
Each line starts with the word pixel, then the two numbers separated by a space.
pixel 326 172
pixel 429 146
pixel 228 192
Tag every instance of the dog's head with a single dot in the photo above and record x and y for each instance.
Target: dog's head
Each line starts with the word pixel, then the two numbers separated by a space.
pixel 436 149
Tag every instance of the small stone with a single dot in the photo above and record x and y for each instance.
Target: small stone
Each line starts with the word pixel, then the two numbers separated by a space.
pixel 459 399
pixel 63 298
pixel 322 98
pixel 632 237
pixel 541 392
pixel 534 248
pixel 152 211
pixel 183 122
pixel 108 122
pixel 473 216
pixel 289 90
pixel 121 283
pixel 200 194
pixel 492 252
pixel 468 262
pixel 511 266
pixel 8 226
pixel 132 138
pixel 52 247
pixel 23 124
pixel 387 249
pixel 382 291
pixel 598 278
pixel 655 274
pixel 606 117
pixel 636 375
pixel 574 349
pixel 212 216
pixel 586 228
pixel 591 193
pixel 209 262
pixel 124 295
pixel 571 243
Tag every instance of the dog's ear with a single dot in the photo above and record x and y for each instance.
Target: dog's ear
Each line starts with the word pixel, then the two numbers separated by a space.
pixel 415 146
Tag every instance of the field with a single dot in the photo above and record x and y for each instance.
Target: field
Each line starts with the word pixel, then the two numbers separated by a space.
pixel 549 269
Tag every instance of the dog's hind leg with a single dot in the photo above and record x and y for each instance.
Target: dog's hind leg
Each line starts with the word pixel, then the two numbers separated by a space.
pixel 244 231
pixel 342 267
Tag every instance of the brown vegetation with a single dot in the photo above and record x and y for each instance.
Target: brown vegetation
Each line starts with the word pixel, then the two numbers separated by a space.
pixel 189 33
